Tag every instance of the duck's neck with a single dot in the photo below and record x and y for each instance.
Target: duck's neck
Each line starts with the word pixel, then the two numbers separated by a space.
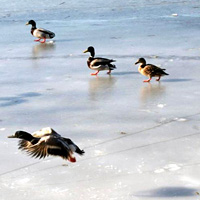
pixel 24 135
pixel 28 137
pixel 90 59
pixel 142 65
pixel 33 28
pixel 92 53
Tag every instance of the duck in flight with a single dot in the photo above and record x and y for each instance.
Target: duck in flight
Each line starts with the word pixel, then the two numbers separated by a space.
pixel 47 142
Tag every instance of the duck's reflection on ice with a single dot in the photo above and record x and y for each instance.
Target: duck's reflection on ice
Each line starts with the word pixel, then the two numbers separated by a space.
pixel 151 93
pixel 99 87
pixel 42 48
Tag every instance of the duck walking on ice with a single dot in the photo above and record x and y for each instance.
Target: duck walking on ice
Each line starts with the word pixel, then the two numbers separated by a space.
pixel 150 70
pixel 97 63
pixel 40 33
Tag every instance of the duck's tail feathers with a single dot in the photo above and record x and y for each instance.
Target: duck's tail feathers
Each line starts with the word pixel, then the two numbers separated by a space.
pixel 111 67
pixel 52 35
pixel 79 151
pixel 165 73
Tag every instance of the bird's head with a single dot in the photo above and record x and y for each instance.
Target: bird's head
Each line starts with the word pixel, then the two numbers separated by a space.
pixel 31 22
pixel 18 134
pixel 141 60
pixel 91 50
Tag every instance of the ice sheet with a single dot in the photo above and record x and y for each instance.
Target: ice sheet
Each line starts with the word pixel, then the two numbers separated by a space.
pixel 141 140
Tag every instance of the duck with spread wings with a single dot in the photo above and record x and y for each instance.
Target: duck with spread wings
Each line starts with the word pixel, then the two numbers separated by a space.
pixel 47 142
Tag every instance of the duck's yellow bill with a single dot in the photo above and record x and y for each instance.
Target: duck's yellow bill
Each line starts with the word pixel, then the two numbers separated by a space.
pixel 11 136
pixel 27 23
pixel 85 51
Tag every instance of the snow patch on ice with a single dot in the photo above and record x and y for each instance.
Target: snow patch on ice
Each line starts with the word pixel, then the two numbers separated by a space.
pixel 161 105
pixel 169 167
pixel 180 119
pixel 157 171
pixel 172 167
pixel 98 152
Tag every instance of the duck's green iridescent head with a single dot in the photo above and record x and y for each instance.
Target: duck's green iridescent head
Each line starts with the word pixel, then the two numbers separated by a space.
pixel 91 50
pixel 18 134
pixel 31 22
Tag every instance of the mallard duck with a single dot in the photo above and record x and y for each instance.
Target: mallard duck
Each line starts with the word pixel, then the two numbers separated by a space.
pixel 47 142
pixel 98 64
pixel 40 32
pixel 150 70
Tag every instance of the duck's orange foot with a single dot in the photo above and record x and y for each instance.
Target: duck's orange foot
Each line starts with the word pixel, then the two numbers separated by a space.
pixel 109 72
pixel 44 40
pixel 37 40
pixel 93 74
pixel 147 81
pixel 158 79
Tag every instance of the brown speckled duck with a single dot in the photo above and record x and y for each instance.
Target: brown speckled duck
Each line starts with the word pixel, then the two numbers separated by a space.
pixel 150 70
pixel 40 32
pixel 98 64
pixel 47 142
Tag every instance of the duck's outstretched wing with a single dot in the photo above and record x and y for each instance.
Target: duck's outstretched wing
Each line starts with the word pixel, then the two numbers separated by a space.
pixel 48 145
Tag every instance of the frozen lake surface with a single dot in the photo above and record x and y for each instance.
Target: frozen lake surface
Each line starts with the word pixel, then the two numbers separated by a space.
pixel 141 140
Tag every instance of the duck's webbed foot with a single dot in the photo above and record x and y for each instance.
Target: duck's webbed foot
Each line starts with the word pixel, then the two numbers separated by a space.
pixel 158 78
pixel 109 72
pixel 37 40
pixel 148 80
pixel 44 40
pixel 95 73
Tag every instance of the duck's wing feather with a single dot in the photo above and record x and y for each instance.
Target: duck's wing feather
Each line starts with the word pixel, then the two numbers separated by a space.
pixel 101 61
pixel 24 144
pixel 153 70
pixel 48 145
pixel 73 146
pixel 43 33
pixel 45 131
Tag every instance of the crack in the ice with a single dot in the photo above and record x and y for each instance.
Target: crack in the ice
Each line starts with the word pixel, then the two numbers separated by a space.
pixel 142 146
pixel 168 57
pixel 107 141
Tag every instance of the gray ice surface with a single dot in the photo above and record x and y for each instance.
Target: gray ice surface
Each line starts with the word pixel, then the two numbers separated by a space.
pixel 141 140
